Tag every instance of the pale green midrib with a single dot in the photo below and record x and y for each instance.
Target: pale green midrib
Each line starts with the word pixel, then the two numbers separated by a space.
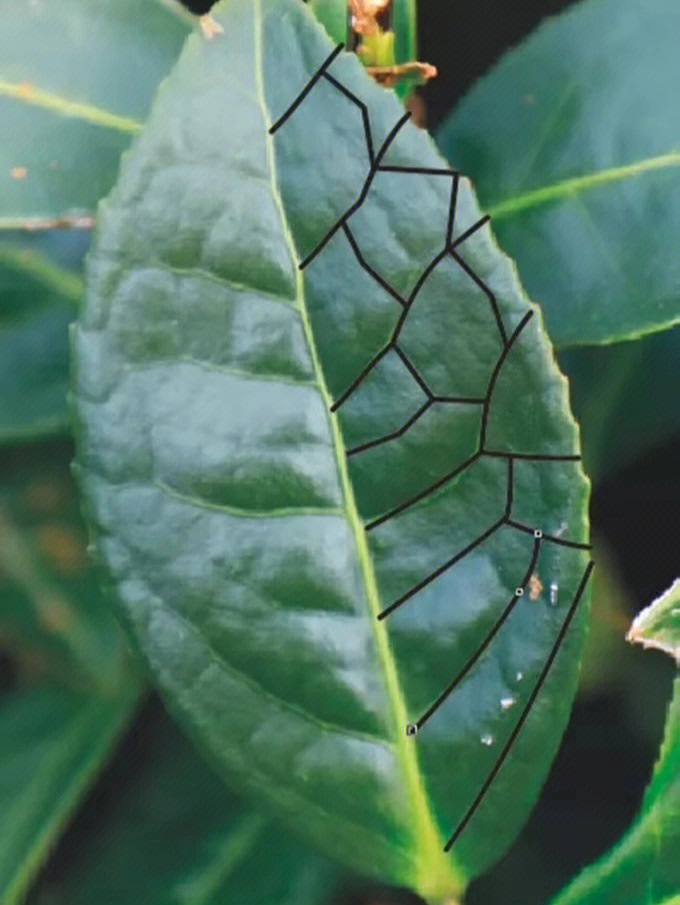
pixel 431 858
pixel 566 187
pixel 47 100
pixel 236 846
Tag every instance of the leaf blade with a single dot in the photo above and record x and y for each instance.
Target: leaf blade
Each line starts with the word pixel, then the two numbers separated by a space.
pixel 643 867
pixel 606 183
pixel 658 625
pixel 53 742
pixel 293 498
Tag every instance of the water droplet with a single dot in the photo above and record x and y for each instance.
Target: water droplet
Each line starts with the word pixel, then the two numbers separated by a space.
pixel 538 533
pixel 411 729
pixel 506 703
pixel 519 676
pixel 519 592
pixel 554 588
pixel 487 740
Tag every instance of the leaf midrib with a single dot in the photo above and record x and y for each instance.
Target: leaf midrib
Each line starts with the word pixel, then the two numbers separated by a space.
pixel 575 184
pixel 435 869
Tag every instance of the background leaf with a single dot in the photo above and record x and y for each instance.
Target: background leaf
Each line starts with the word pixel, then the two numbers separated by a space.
pixel 40 292
pixel 658 625
pixel 174 834
pixel 68 112
pixel 52 743
pixel 643 869
pixel 74 689
pixel 572 144
pixel 239 537
pixel 66 125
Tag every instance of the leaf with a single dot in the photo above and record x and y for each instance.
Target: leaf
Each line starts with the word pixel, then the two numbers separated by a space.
pixel 55 628
pixel 658 625
pixel 70 110
pixel 174 834
pixel 257 552
pixel 643 868
pixel 52 742
pixel 40 291
pixel 572 142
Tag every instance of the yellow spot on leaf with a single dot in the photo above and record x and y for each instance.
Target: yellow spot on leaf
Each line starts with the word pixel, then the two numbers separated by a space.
pixel 535 587
pixel 18 172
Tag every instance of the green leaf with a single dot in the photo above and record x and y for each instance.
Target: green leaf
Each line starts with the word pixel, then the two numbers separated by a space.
pixel 253 545
pixel 175 834
pixel 69 110
pixel 643 868
pixel 658 625
pixel 40 291
pixel 56 629
pixel 52 742
pixel 572 141
pixel 53 618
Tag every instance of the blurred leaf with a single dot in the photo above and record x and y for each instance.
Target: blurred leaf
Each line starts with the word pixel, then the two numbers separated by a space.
pixel 572 142
pixel 658 625
pixel 620 395
pixel 249 570
pixel 40 292
pixel 52 743
pixel 67 111
pixel 57 629
pixel 644 867
pixel 70 109
pixel 53 618
pixel 172 833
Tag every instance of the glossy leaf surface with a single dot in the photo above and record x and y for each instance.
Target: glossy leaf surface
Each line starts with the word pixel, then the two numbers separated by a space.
pixel 572 142
pixel 643 868
pixel 174 833
pixel 253 525
pixel 52 742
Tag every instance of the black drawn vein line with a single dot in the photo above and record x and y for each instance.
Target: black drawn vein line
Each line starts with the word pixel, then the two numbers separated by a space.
pixel 397 433
pixel 549 537
pixel 485 289
pixel 525 712
pixel 441 569
pixel 496 371
pixel 460 675
pixel 305 91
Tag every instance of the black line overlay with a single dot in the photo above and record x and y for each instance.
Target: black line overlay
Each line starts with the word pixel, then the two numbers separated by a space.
pixel 450 248
pixel 525 711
